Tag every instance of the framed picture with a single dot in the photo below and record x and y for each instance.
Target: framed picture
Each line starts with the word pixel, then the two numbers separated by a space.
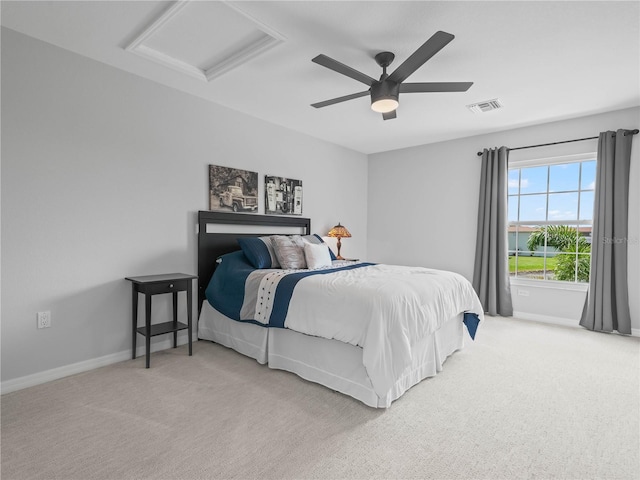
pixel 232 189
pixel 283 196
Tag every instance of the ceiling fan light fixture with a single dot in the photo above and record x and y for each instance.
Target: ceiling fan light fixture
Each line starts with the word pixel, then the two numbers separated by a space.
pixel 384 105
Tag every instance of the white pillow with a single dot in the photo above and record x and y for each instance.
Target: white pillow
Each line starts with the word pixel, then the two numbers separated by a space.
pixel 317 255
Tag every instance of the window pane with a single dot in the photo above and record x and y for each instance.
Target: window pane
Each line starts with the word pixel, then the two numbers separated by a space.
pixel 585 232
pixel 588 175
pixel 514 180
pixel 511 237
pixel 549 250
pixel 527 266
pixel 562 238
pixel 534 234
pixel 550 266
pixel 564 177
pixel 512 208
pixel 533 208
pixel 563 206
pixel 533 180
pixel 586 205
pixel 566 267
pixel 584 264
pixel 522 241
pixel 512 264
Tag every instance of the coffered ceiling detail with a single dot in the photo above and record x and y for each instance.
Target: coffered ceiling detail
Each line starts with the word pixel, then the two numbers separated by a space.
pixel 204 39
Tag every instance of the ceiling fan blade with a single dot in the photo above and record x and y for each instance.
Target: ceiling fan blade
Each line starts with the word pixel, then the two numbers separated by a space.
pixel 428 49
pixel 336 66
pixel 389 115
pixel 326 103
pixel 435 87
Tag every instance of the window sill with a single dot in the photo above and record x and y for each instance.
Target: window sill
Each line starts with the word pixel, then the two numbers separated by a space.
pixel 554 284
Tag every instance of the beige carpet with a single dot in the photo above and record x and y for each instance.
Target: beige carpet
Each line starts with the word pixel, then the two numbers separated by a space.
pixel 524 401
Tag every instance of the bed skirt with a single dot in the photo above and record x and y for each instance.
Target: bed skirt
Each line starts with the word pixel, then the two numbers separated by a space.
pixel 331 363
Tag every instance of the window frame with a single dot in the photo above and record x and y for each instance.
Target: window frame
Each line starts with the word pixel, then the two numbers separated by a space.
pixel 550 161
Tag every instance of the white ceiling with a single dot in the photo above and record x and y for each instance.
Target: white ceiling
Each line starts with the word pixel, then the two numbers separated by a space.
pixel 545 61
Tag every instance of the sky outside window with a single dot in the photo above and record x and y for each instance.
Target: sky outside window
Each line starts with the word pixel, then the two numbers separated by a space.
pixel 533 180
pixel 564 177
pixel 586 202
pixel 563 206
pixel 514 181
pixel 533 208
pixel 560 178
pixel 588 175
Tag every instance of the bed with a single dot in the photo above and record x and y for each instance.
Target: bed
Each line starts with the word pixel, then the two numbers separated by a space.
pixel 370 350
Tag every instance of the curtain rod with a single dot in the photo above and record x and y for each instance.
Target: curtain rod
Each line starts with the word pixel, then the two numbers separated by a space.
pixel 631 132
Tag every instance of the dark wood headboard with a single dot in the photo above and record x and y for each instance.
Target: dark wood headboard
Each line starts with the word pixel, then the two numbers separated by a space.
pixel 212 243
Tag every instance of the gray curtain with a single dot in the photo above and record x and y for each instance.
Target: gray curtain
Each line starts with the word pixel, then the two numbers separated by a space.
pixel 607 305
pixel 491 268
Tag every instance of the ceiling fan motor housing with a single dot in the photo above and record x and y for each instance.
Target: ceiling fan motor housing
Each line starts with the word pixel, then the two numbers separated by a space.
pixel 384 90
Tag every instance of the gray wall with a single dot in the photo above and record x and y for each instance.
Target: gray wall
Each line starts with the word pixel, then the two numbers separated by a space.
pixel 102 175
pixel 423 204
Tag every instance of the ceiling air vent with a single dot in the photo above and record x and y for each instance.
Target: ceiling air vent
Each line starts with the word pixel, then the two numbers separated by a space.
pixel 486 106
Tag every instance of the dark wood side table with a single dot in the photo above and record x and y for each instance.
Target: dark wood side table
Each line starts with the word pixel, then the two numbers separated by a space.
pixel 151 285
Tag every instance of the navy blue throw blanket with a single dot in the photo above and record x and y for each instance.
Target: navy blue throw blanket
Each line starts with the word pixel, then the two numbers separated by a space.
pixel 225 291
pixel 471 321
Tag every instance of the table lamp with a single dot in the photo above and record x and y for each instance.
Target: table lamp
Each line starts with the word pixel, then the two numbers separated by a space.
pixel 339 232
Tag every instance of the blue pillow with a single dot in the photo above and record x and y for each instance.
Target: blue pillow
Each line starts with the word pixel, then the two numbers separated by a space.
pixel 259 251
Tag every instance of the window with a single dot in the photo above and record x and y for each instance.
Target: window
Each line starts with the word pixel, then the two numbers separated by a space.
pixel 550 213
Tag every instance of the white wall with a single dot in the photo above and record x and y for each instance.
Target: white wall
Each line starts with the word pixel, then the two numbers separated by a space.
pixel 102 175
pixel 423 204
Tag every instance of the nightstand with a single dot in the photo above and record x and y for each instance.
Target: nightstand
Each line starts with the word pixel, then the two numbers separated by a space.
pixel 150 285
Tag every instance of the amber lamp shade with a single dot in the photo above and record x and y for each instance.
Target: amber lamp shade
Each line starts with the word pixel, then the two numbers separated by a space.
pixel 339 232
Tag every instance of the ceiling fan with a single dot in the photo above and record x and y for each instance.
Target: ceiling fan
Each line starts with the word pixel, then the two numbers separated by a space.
pixel 385 92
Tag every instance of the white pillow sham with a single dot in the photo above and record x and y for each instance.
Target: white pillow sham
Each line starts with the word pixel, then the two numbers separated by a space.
pixel 317 255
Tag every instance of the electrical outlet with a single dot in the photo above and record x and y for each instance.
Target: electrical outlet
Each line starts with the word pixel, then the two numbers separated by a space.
pixel 523 293
pixel 44 319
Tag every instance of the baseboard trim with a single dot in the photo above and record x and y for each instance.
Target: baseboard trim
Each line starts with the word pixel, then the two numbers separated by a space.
pixel 565 322
pixel 27 381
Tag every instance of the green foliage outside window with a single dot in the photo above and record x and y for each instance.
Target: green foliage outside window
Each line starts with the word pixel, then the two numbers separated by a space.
pixel 571 245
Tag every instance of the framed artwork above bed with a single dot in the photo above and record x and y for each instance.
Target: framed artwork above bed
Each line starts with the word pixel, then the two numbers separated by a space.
pixel 232 190
pixel 283 196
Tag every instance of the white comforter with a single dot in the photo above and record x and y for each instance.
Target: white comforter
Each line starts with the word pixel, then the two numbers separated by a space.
pixel 385 309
